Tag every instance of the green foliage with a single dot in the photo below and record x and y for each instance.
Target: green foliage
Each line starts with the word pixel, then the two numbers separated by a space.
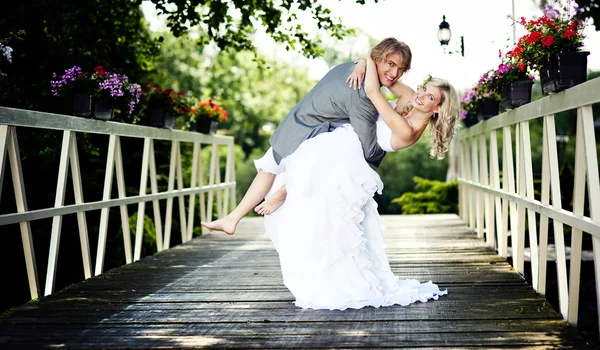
pixel 253 97
pixel 397 170
pixel 433 197
pixel 359 45
pixel 93 33
pixel 589 9
pixel 149 232
pixel 231 24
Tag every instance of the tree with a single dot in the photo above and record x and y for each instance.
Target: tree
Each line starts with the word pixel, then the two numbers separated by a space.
pixel 590 9
pixel 59 35
pixel 398 169
pixel 231 23
pixel 252 96
pixel 358 45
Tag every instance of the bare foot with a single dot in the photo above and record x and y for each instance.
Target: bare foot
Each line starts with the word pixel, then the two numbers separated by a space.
pixel 225 224
pixel 270 205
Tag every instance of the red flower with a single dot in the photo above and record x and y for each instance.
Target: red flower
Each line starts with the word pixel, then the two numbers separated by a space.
pixel 533 37
pixel 100 71
pixel 548 41
pixel 569 33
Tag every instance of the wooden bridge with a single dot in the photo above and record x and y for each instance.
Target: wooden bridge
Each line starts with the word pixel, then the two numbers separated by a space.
pixel 227 291
pixel 222 291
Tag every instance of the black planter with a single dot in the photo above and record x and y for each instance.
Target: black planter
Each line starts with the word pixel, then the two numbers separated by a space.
pixel 565 69
pixel 470 120
pixel 516 94
pixel 1 84
pixel 82 105
pixel 160 118
pixel 488 108
pixel 103 110
pixel 206 126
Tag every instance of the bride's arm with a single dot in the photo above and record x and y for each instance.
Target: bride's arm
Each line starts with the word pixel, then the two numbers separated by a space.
pixel 355 80
pixel 401 130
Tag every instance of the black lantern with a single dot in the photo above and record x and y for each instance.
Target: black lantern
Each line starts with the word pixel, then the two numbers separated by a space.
pixel 444 35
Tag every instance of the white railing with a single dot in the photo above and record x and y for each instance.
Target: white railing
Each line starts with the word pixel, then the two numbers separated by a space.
pixel 12 119
pixel 485 203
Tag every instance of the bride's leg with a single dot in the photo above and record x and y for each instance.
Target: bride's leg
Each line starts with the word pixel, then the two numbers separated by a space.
pixel 256 192
pixel 272 203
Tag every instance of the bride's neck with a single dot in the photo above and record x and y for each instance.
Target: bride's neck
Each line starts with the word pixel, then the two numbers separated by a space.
pixel 418 117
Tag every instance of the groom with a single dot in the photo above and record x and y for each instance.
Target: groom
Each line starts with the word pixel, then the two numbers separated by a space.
pixel 328 105
pixel 331 103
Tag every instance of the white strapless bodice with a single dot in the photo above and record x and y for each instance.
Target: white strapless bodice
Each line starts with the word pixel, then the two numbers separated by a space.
pixel 384 133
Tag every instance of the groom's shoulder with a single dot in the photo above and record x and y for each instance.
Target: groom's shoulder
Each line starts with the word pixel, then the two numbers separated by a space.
pixel 341 69
pixel 334 81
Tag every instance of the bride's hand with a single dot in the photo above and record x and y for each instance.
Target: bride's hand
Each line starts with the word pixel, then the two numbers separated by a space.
pixel 358 74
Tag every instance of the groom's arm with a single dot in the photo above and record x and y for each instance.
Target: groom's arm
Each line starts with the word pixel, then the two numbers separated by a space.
pixel 363 120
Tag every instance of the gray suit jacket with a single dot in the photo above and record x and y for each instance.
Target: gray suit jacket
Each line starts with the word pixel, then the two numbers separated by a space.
pixel 328 105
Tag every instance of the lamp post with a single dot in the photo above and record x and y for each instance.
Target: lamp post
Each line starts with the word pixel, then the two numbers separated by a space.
pixel 444 35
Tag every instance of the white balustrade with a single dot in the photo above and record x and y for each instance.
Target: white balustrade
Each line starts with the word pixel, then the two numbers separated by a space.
pixel 486 203
pixel 12 119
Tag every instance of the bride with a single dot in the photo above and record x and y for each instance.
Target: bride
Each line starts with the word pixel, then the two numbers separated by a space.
pixel 324 222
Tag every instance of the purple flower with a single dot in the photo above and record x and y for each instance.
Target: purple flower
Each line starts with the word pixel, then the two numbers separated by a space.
pixel 503 68
pixel 70 75
pixel 113 84
pixel 135 90
pixel 463 114
pixel 468 96
pixel 551 12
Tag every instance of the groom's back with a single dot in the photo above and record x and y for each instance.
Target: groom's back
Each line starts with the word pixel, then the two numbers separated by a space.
pixel 326 106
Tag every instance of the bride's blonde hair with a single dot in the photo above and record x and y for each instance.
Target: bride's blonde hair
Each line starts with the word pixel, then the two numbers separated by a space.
pixel 442 127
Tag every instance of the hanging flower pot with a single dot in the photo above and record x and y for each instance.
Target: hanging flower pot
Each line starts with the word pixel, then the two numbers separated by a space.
pixel 516 94
pixel 82 105
pixel 1 84
pixel 206 126
pixel 470 120
pixel 103 110
pixel 160 118
pixel 488 107
pixel 564 70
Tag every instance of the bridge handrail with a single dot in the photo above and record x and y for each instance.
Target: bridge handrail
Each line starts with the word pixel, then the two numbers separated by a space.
pixel 11 119
pixel 485 203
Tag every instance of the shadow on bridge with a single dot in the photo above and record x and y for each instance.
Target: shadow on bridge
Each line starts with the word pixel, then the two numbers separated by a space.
pixel 227 291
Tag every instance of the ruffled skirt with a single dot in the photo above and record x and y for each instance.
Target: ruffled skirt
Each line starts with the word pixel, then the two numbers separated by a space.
pixel 328 233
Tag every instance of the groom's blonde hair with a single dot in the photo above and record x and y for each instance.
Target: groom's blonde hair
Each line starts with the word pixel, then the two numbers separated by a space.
pixel 390 45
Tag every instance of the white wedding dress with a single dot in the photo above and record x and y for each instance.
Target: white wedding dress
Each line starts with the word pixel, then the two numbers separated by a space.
pixel 328 233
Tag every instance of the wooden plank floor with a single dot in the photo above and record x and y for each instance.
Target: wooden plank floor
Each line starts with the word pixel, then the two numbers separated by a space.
pixel 227 291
